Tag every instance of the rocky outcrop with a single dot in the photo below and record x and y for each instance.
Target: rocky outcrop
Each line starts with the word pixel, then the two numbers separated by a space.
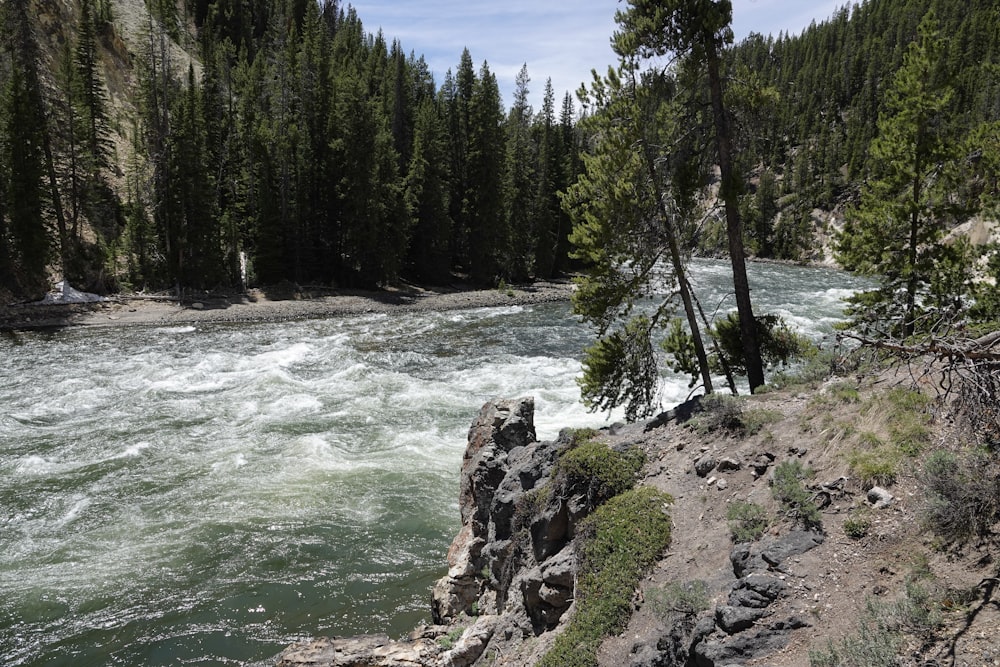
pixel 512 566
pixel 369 651
pixel 513 556
pixel 744 626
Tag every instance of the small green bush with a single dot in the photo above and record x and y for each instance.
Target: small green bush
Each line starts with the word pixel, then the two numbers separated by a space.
pixel 884 625
pixel 607 472
pixel 617 544
pixel 845 392
pixel 812 370
pixel 874 644
pixel 688 598
pixel 719 413
pixel 747 521
pixel 962 494
pixel 793 496
pixel 857 525
pixel 756 419
pixel 875 467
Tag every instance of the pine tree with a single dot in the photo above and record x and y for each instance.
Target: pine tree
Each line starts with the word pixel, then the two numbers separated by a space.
pixel 24 116
pixel 546 213
pixel 895 231
pixel 626 227
pixel 427 198
pixel 700 29
pixel 519 190
pixel 488 232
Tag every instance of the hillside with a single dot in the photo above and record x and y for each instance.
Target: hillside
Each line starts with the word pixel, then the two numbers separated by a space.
pixel 839 562
pixel 197 144
pixel 180 145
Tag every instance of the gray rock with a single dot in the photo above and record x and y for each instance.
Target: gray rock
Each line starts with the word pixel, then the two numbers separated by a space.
pixel 747 646
pixel 879 497
pixel 560 570
pixel 736 619
pixel 366 651
pixel 704 465
pixel 756 590
pixel 471 644
pixel 770 553
pixel 729 464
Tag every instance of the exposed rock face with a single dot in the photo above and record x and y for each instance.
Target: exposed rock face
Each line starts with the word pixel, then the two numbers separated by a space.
pixel 744 627
pixel 513 556
pixel 512 566
pixel 367 651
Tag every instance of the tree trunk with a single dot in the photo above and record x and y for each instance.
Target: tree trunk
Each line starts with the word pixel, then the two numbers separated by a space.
pixel 679 271
pixel 734 227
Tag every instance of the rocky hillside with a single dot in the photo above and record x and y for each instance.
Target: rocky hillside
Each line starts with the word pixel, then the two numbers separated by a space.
pixel 797 537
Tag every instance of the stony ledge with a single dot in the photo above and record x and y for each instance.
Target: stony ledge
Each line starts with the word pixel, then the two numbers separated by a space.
pixel 510 585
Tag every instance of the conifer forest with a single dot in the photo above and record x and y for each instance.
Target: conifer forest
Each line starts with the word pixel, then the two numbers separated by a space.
pixel 242 141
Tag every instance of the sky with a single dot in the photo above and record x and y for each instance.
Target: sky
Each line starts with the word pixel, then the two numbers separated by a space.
pixel 558 39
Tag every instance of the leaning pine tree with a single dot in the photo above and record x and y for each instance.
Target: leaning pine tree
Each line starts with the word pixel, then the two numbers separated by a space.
pixel 626 230
pixel 698 30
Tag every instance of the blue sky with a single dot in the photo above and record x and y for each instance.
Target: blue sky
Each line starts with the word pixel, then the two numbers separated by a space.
pixel 558 39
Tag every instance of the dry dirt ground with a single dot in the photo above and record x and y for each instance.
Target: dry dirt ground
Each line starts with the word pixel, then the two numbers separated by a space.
pixel 819 425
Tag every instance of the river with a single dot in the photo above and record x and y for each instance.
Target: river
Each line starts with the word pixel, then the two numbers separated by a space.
pixel 206 495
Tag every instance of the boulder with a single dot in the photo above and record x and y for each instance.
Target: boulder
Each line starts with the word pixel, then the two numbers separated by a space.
pixel 769 554
pixel 879 497
pixel 471 644
pixel 364 651
pixel 704 465
pixel 756 590
pixel 736 619
pixel 728 464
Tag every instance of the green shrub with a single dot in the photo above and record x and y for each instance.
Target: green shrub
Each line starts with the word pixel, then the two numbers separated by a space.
pixel 845 392
pixel 907 419
pixel 688 598
pixel 813 369
pixel 962 494
pixel 857 525
pixel 756 419
pixel 607 472
pixel 617 544
pixel 747 521
pixel 719 413
pixel 874 644
pixel 884 625
pixel 794 497
pixel 447 641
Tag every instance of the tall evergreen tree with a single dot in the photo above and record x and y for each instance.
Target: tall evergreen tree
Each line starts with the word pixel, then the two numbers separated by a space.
pixel 627 229
pixel 427 197
pixel 488 232
pixel 519 184
pixel 699 30
pixel 905 204
pixel 25 130
pixel 548 182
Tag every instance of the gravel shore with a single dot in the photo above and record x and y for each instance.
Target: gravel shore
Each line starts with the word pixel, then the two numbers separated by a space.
pixel 275 304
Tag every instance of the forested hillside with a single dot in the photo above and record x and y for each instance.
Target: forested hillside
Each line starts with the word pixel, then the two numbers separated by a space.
pixel 830 84
pixel 201 143
pixel 188 144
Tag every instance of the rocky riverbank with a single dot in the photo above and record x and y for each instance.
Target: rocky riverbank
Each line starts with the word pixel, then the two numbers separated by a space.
pixel 791 588
pixel 281 303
